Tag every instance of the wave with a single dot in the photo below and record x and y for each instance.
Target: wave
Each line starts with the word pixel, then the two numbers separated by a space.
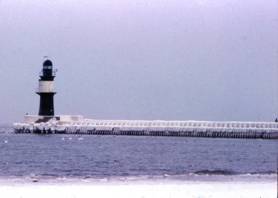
pixel 216 172
pixel 230 172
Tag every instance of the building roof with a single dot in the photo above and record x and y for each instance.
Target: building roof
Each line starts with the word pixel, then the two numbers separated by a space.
pixel 47 63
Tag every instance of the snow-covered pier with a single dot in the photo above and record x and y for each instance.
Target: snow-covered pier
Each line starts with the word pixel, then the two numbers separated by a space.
pixel 80 125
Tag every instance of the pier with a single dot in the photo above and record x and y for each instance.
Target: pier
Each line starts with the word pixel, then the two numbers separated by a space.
pixel 79 125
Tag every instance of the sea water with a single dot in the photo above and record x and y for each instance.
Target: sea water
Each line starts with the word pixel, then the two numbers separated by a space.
pixel 43 157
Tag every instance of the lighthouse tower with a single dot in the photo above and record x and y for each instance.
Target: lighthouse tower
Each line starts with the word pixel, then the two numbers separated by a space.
pixel 46 89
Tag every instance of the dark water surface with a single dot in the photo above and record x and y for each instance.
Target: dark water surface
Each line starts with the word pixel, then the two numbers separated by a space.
pixel 23 155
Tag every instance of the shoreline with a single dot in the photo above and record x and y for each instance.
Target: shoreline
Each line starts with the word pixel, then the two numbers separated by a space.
pixel 165 179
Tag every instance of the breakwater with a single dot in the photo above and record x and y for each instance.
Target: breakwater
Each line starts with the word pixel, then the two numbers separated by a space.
pixel 59 125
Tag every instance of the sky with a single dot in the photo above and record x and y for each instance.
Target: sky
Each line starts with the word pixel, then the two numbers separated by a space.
pixel 142 59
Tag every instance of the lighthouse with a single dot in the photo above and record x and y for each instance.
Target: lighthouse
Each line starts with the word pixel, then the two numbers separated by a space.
pixel 46 89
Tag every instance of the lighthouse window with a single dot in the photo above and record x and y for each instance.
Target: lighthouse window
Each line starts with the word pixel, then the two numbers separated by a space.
pixel 47 67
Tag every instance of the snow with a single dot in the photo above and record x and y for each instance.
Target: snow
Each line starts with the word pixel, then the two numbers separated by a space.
pixel 79 122
pixel 142 189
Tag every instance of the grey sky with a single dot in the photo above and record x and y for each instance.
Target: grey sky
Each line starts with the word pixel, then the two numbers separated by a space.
pixel 142 59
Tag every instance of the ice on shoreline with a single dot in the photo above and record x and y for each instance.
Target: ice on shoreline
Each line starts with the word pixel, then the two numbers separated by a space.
pixel 187 178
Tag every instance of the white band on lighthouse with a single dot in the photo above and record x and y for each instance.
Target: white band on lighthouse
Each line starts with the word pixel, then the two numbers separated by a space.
pixel 46 87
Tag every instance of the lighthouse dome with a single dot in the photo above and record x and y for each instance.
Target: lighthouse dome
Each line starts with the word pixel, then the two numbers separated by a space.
pixel 47 63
